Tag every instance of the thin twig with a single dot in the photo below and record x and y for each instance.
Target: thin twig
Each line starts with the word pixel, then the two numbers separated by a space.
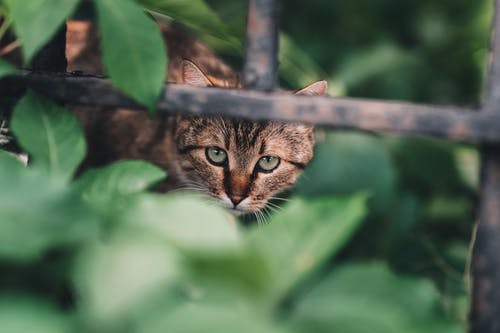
pixel 10 47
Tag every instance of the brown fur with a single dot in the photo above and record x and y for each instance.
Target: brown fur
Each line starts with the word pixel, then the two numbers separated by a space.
pixel 178 143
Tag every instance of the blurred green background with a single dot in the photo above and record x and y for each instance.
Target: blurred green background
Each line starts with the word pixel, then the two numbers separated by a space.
pixel 422 192
pixel 375 237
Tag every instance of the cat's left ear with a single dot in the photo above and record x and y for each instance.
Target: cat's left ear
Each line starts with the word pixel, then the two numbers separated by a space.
pixel 318 88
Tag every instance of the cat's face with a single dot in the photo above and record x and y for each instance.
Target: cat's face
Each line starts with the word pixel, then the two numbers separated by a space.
pixel 242 164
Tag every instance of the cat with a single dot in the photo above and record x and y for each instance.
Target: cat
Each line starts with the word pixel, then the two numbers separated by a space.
pixel 241 164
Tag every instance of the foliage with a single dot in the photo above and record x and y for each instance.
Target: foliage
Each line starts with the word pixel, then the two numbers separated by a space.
pixel 137 261
pixel 36 21
pixel 375 238
pixel 6 68
pixel 126 30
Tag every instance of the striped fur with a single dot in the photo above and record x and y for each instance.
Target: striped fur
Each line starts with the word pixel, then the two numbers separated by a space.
pixel 239 184
pixel 178 143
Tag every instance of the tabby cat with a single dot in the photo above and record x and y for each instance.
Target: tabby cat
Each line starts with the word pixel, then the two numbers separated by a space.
pixel 242 164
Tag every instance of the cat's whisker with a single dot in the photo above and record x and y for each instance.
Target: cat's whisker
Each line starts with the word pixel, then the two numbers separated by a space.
pixel 263 217
pixel 280 199
pixel 273 207
pixel 267 215
pixel 257 217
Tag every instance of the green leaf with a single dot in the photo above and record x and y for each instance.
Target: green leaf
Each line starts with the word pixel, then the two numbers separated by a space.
pixel 35 21
pixel 6 68
pixel 118 277
pixel 296 66
pixel 123 177
pixel 37 214
pixel 221 265
pixel 22 314
pixel 346 163
pixel 304 235
pixel 133 50
pixel 50 134
pixel 193 13
pixel 365 298
pixel 202 318
pixel 191 224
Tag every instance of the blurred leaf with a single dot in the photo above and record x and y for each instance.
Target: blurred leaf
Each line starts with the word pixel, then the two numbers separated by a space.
pixel 238 277
pixel 370 63
pixel 348 162
pixel 304 235
pixel 37 214
pixel 192 318
pixel 118 277
pixel 442 175
pixel 6 68
pixel 467 161
pixel 194 13
pixel 21 314
pixel 122 177
pixel 358 298
pixel 35 21
pixel 296 66
pixel 450 209
pixel 222 267
pixel 50 133
pixel 191 224
pixel 133 50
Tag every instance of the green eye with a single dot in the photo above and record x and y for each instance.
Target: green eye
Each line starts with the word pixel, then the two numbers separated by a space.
pixel 268 163
pixel 216 155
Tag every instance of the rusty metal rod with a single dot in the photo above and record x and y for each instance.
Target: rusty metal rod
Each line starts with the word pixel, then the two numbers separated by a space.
pixel 261 45
pixel 453 123
pixel 485 303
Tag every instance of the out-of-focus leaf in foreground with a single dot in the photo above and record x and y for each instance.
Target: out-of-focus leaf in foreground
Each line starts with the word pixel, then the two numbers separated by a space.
pixel 26 315
pixel 304 235
pixel 366 298
pixel 37 214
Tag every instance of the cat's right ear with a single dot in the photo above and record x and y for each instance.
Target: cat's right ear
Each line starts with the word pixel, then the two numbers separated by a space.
pixel 314 89
pixel 192 75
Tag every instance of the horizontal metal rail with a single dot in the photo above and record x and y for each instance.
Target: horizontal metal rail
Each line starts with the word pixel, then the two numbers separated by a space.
pixel 453 123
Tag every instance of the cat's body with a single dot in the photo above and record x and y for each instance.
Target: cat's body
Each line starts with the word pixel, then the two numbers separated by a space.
pixel 242 164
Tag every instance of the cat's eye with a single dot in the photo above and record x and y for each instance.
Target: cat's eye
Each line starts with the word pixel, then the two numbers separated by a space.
pixel 216 155
pixel 268 163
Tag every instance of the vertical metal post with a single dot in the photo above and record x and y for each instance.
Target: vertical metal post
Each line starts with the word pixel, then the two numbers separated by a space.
pixel 485 304
pixel 261 45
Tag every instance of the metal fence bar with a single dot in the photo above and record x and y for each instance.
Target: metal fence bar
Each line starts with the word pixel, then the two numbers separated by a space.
pixel 261 45
pixel 485 305
pixel 358 114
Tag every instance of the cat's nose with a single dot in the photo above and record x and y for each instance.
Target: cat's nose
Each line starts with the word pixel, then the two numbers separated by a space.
pixel 236 199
